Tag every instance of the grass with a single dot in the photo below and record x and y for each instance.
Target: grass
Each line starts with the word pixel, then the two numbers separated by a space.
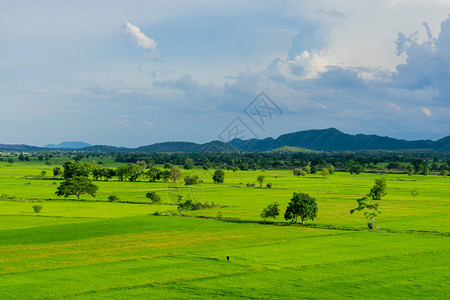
pixel 98 249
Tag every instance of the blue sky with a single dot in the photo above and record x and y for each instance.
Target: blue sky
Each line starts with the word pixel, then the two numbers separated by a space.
pixel 132 73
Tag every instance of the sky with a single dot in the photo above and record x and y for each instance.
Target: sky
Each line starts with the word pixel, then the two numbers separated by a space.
pixel 132 73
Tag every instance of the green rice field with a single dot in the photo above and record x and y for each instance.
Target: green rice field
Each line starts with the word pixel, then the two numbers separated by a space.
pixel 131 249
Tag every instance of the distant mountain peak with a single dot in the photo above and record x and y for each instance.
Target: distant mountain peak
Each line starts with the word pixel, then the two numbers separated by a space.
pixel 68 145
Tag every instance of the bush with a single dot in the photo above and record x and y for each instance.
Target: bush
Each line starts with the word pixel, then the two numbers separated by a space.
pixel 113 198
pixel 269 185
pixel 37 208
pixel 154 197
pixel 190 180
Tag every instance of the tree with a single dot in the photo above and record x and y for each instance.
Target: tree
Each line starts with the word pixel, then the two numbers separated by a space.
pixel 37 208
pixel 75 168
pixel 299 172
pixel 188 164
pixel 365 203
pixel 355 168
pixel 175 173
pixel 218 176
pixel 444 173
pixel 307 169
pixel 113 198
pixel 154 197
pixel 77 186
pixel 260 179
pixel 190 180
pixel 378 191
pixel 325 172
pixel 414 193
pixel 271 211
pixel 302 205
pixel 57 171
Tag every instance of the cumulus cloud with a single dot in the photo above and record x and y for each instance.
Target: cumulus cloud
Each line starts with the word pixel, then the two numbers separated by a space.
pixel 427 63
pixel 139 37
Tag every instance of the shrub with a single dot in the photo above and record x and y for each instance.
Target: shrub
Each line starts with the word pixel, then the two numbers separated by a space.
pixel 190 180
pixel 269 185
pixel 37 208
pixel 113 198
pixel 154 197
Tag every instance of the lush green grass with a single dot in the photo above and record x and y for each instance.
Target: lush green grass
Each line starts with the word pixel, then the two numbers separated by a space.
pixel 97 249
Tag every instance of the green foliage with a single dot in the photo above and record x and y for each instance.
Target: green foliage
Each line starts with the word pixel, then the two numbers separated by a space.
pixel 112 198
pixel 299 172
pixel 37 208
pixel 57 171
pixel 371 209
pixel 74 168
pixel 260 179
pixel 175 173
pixel 414 193
pixel 325 172
pixel 191 180
pixel 154 197
pixel 129 172
pixel 76 186
pixel 302 205
pixel 218 176
pixel 188 164
pixel 355 168
pixel 378 191
pixel 444 173
pixel 271 211
pixel 269 185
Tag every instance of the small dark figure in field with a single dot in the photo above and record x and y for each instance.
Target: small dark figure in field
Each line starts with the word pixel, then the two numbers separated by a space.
pixel 228 257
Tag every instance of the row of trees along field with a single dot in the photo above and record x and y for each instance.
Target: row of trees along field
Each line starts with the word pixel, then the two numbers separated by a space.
pixel 419 163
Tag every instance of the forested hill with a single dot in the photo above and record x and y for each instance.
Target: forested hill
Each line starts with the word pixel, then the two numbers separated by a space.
pixel 334 140
pixel 215 146
pixel 318 140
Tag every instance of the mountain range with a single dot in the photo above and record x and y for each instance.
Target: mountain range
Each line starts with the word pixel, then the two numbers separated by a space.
pixel 328 140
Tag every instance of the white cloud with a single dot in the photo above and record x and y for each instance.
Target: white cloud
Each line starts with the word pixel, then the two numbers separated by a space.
pixel 394 106
pixel 139 37
pixel 149 124
pixel 427 111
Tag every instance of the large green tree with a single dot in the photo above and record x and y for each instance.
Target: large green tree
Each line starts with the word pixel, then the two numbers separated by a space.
pixel 76 186
pixel 218 176
pixel 302 206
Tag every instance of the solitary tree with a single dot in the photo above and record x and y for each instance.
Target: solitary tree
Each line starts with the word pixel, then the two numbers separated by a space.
pixel 188 164
pixel 444 173
pixel 260 179
pixel 218 176
pixel 57 171
pixel 175 173
pixel 302 205
pixel 154 197
pixel 77 186
pixel 325 172
pixel 299 172
pixel 271 211
pixel 378 191
pixel 355 168
pixel 414 193
pixel 366 203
